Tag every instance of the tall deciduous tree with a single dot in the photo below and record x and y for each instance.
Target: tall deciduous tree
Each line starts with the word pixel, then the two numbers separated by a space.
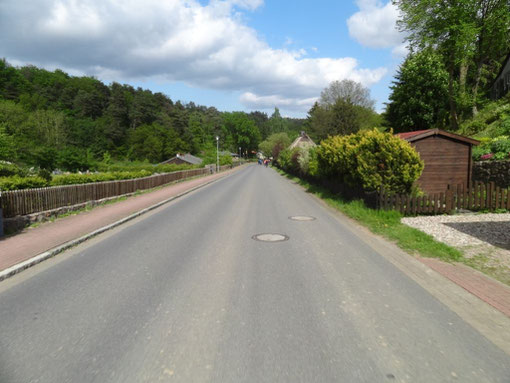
pixel 344 108
pixel 419 97
pixel 349 91
pixel 463 32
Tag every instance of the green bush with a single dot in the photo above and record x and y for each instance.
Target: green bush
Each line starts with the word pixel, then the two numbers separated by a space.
pixel 17 182
pixel 492 149
pixel 73 179
pixel 284 160
pixel 226 160
pixel 139 166
pixel 370 159
pixel 7 169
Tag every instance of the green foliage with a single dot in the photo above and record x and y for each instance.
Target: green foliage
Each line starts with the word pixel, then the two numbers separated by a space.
pixel 349 91
pixel 45 174
pixel 370 159
pixel 7 148
pixel 492 121
pixel 386 223
pixel 243 130
pixel 284 160
pixel 274 144
pixel 17 182
pixel 74 179
pixel 419 97
pixel 129 166
pixel 345 107
pixel 225 160
pixel 8 169
pixel 72 160
pixel 497 148
pixel 52 120
pixel 471 36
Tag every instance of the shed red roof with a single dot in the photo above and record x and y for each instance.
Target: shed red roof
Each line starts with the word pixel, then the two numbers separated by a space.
pixel 407 135
pixel 419 134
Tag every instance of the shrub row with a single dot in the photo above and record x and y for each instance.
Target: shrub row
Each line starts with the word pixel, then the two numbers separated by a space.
pixel 492 149
pixel 18 182
pixel 367 159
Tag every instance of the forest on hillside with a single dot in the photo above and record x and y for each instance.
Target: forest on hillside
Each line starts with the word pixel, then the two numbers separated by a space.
pixel 456 50
pixel 49 120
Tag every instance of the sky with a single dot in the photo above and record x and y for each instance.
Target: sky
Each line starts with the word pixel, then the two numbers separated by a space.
pixel 235 55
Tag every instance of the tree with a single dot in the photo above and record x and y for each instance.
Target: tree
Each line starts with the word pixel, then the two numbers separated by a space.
pixel 463 32
pixel 419 97
pixel 349 91
pixel 274 144
pixel 243 131
pixel 344 108
pixel 276 122
pixel 6 145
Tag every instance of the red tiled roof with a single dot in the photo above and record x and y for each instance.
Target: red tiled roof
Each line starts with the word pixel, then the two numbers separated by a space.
pixel 420 134
pixel 407 135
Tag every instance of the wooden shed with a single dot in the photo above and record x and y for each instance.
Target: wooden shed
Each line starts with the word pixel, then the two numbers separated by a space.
pixel 447 158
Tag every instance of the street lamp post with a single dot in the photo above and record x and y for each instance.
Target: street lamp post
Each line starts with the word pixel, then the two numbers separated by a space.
pixel 217 154
pixel 239 155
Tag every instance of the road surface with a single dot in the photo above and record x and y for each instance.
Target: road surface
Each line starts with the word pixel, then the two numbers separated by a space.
pixel 185 294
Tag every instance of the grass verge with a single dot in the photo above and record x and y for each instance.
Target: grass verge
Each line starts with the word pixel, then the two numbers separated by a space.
pixel 385 223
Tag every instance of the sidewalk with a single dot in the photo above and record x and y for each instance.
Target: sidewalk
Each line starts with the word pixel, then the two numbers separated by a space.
pixel 487 289
pixel 34 241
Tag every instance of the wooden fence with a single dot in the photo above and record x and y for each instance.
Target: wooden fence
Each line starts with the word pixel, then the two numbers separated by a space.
pixel 474 197
pixel 23 202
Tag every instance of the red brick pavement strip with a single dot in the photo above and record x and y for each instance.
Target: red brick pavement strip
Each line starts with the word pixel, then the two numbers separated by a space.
pixel 490 291
pixel 21 248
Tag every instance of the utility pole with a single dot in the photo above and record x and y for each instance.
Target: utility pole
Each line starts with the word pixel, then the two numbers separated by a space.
pixel 217 154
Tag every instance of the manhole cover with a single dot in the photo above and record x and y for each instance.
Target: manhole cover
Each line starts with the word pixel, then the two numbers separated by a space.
pixel 270 237
pixel 302 218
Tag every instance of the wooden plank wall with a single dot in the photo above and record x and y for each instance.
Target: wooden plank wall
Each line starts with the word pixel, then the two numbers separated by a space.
pixel 28 201
pixel 475 197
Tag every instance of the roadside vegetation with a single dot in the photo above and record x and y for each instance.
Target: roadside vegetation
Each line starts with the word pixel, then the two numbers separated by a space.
pixel 384 223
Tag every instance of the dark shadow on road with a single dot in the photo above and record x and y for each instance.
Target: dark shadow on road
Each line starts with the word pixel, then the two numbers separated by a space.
pixel 495 233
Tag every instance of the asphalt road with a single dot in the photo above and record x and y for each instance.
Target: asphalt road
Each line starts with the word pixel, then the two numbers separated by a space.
pixel 185 294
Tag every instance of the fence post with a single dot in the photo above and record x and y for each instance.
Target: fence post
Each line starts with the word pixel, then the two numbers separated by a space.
pixel 1 218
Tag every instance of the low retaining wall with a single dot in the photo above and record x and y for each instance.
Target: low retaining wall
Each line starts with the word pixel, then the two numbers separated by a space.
pixel 492 171
pixel 14 224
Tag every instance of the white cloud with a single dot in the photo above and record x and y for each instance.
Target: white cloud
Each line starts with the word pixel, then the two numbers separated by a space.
pixel 173 40
pixel 267 102
pixel 374 25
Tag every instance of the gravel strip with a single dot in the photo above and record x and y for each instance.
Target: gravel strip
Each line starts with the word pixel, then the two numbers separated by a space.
pixel 476 234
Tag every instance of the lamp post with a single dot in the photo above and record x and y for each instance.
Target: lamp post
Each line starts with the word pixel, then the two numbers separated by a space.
pixel 217 154
pixel 239 155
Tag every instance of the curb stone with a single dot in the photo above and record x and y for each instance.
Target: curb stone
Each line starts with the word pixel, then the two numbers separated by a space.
pixel 13 270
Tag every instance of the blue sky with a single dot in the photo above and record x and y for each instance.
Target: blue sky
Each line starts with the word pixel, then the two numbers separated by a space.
pixel 231 54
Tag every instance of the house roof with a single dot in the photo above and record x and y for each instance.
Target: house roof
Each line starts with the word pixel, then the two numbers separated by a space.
pixel 186 158
pixel 303 139
pixel 227 153
pixel 189 158
pixel 420 134
pixel 502 68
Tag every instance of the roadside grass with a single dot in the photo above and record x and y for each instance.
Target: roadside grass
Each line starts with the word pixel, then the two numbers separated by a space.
pixel 483 263
pixel 385 223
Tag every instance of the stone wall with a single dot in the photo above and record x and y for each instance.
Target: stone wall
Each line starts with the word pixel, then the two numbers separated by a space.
pixel 492 171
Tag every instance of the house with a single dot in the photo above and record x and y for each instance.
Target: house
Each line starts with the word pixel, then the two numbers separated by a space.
pixel 180 159
pixel 447 158
pixel 303 141
pixel 234 156
pixel 501 85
